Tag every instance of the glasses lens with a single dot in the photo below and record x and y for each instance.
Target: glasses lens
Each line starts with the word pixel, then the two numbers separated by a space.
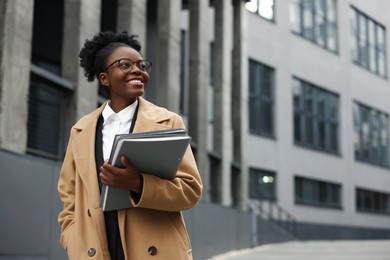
pixel 125 65
pixel 143 65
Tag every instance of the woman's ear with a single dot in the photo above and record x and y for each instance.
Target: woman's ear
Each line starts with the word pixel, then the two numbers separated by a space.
pixel 103 79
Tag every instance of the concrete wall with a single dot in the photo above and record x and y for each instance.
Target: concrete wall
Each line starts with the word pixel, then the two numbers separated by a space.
pixel 313 231
pixel 29 206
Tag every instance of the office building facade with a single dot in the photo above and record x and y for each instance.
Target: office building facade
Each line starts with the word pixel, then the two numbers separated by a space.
pixel 286 101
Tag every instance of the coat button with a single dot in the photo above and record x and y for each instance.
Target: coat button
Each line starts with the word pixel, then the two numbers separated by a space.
pixel 91 252
pixel 152 250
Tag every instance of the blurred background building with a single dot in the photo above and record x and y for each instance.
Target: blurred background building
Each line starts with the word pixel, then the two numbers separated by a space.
pixel 287 102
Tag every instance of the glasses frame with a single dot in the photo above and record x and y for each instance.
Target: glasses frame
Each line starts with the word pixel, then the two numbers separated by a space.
pixel 147 69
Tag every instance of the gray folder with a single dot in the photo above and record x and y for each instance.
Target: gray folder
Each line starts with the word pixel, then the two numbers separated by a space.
pixel 157 153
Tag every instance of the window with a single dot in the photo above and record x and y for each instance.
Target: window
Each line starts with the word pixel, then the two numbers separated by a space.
pixel 265 8
pixel 46 52
pixel 49 93
pixel 48 104
pixel 315 20
pixel 183 72
pixel 372 201
pixel 318 193
pixel 108 15
pixel 371 130
pixel 368 43
pixel 211 86
pixel 215 178
pixel 316 123
pixel 108 22
pixel 262 184
pixel 261 99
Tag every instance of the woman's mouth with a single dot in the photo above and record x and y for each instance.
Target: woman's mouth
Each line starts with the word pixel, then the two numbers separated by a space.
pixel 135 82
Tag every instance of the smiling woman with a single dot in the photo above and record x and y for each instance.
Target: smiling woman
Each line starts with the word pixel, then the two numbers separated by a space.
pixel 125 81
pixel 155 224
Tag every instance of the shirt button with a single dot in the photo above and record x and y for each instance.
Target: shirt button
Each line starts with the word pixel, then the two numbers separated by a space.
pixel 91 252
pixel 152 250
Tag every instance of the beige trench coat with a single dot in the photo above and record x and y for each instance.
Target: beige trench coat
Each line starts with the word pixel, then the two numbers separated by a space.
pixel 154 224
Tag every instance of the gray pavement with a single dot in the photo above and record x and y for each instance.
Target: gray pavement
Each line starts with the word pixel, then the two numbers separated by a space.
pixel 314 250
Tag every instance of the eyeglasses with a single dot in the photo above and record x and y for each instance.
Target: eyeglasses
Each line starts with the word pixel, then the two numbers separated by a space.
pixel 126 65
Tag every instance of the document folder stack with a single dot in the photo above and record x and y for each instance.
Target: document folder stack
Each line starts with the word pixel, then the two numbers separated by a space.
pixel 157 153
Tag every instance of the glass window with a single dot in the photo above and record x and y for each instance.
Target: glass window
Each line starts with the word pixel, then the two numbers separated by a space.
pixel 315 20
pixel 371 43
pixel 47 116
pixel 215 179
pixel 372 201
pixel 384 139
pixel 316 122
pixel 371 135
pixel 331 24
pixel 354 30
pixel 265 8
pixel 49 93
pixel 308 15
pixel 368 43
pixel 318 193
pixel 261 99
pixel 262 184
pixel 381 50
pixel 295 16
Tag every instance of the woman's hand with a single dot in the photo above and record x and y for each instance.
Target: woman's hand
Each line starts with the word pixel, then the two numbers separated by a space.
pixel 127 178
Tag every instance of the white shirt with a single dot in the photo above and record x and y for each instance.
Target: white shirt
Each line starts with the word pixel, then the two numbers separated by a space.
pixel 115 123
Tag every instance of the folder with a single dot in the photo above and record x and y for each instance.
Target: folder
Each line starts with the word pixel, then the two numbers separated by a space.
pixel 157 153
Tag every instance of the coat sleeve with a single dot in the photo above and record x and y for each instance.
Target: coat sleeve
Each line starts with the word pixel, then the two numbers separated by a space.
pixel 181 193
pixel 66 190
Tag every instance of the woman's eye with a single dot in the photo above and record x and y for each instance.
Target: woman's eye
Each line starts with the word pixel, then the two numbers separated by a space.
pixel 125 65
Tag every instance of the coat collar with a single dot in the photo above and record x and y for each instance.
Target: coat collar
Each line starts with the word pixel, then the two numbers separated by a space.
pixel 150 117
pixel 148 114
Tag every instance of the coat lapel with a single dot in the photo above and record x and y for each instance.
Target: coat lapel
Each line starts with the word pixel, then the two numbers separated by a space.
pixel 150 117
pixel 84 151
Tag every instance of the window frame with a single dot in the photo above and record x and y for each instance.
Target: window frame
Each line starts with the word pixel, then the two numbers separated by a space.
pixel 317 188
pixel 259 100
pixel 375 199
pixel 257 11
pixel 41 78
pixel 307 11
pixel 255 193
pixel 302 117
pixel 361 133
pixel 362 55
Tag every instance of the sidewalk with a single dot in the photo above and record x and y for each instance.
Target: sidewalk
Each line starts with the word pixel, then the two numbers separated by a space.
pixel 315 250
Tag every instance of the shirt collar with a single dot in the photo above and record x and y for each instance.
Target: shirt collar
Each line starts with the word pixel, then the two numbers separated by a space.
pixel 124 115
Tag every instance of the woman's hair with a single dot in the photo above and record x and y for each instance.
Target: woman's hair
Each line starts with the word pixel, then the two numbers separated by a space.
pixel 95 52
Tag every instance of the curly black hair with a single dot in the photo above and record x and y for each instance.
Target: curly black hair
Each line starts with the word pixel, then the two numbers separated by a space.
pixel 93 56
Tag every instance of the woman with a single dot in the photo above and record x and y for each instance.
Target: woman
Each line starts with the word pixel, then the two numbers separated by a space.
pixel 154 227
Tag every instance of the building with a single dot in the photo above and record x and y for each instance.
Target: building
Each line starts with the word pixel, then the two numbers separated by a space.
pixel 286 101
pixel 319 110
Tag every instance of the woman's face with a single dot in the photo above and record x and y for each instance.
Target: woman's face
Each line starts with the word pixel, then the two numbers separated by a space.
pixel 124 84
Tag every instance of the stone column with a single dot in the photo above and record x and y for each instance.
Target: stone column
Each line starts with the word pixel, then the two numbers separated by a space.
pixel 81 22
pixel 168 54
pixel 222 129
pixel 132 18
pixel 198 85
pixel 16 19
pixel 240 96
